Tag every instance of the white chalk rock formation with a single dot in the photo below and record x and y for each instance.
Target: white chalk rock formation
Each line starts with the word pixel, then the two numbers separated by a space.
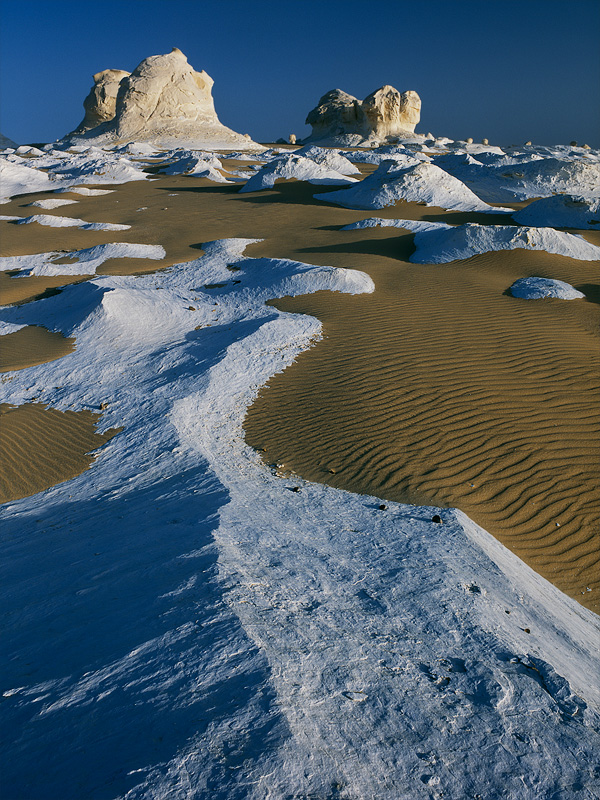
pixel 440 243
pixel 101 103
pixel 341 119
pixel 538 288
pixel 411 181
pixel 290 166
pixel 390 113
pixel 562 211
pixel 163 101
pixel 332 159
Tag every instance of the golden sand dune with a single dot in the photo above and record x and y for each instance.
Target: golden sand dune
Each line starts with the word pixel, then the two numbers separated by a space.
pixel 441 389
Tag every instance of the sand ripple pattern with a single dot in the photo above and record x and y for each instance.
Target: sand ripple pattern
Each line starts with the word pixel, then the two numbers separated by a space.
pixel 439 388
pixel 40 447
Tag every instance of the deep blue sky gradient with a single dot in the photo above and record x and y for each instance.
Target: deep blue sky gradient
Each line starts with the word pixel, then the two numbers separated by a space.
pixel 509 70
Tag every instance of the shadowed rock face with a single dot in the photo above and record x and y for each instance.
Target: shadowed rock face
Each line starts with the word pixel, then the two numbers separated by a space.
pixel 100 104
pixel 337 112
pixel 163 101
pixel 384 113
pixel 6 142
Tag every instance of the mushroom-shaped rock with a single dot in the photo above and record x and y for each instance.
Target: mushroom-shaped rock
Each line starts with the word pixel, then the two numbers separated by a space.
pixel 341 119
pixel 337 113
pixel 100 104
pixel 163 101
pixel 390 113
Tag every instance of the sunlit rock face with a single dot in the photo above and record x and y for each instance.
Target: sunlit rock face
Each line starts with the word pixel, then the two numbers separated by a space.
pixel 101 103
pixel 162 94
pixel 340 118
pixel 390 113
pixel 163 101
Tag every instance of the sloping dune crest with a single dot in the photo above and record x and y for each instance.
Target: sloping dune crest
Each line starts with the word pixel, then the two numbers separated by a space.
pixel 452 393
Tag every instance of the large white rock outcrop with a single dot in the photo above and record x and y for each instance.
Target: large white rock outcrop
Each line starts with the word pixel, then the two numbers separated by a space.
pixel 385 114
pixel 163 101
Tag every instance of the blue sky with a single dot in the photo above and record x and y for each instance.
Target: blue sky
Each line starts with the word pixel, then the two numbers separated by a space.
pixel 509 70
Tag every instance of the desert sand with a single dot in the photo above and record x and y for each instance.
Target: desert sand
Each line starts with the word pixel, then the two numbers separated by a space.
pixel 438 389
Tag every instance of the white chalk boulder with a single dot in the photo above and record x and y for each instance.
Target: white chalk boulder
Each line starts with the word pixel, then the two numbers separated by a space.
pixel 412 181
pixel 562 211
pixel 538 288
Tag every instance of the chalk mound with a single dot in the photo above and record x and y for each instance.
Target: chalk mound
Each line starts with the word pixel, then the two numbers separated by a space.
pixel 332 159
pixel 413 181
pixel 291 166
pixel 505 179
pixel 562 211
pixel 17 178
pixel 341 119
pixel 537 288
pixel 80 262
pixel 439 243
pixel 163 101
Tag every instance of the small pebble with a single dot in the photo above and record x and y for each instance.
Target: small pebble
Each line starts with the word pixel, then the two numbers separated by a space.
pixel 437 518
pixel 382 507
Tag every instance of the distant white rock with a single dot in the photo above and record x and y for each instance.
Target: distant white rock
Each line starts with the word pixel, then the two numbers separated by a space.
pixel 332 159
pixel 562 211
pixel 85 191
pixel 52 202
pixel 505 179
pixel 198 164
pixel 291 166
pixel 341 119
pixel 52 221
pixel 95 165
pixel 389 152
pixel 29 150
pixel 439 243
pixel 419 182
pixel 537 288
pixel 164 101
pixel 85 262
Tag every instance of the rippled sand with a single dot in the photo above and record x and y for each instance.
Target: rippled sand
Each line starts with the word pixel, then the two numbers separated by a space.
pixel 41 446
pixel 438 388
